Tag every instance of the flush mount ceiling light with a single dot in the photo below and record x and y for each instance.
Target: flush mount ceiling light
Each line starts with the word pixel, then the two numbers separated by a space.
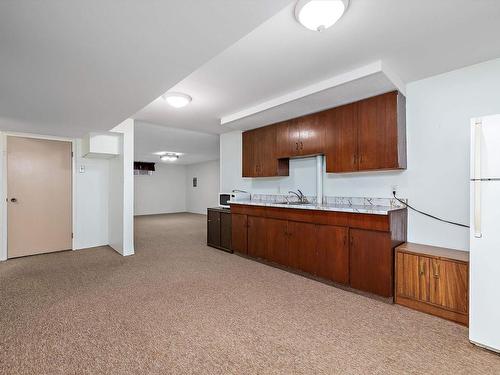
pixel 319 15
pixel 171 156
pixel 177 99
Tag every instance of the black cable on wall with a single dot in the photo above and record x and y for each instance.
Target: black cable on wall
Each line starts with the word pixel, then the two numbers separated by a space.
pixel 428 215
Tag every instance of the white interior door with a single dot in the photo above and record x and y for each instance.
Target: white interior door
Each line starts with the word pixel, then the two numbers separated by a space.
pixel 39 196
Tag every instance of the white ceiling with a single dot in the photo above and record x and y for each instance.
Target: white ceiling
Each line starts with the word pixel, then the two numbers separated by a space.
pixel 195 146
pixel 69 67
pixel 416 39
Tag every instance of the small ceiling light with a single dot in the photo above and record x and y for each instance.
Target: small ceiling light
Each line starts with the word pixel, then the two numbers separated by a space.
pixel 170 157
pixel 319 15
pixel 177 99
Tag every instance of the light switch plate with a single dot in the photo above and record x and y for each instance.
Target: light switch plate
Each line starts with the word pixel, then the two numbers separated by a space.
pixel 82 168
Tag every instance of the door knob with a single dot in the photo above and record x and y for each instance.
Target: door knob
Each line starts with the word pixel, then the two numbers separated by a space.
pixel 13 200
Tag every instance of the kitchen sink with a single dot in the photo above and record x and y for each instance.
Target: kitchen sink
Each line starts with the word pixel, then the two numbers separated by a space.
pixel 294 203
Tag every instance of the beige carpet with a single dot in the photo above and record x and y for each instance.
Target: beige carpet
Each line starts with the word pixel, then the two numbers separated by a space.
pixel 179 307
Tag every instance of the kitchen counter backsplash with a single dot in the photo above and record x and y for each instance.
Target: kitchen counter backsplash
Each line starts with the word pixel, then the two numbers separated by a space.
pixel 344 201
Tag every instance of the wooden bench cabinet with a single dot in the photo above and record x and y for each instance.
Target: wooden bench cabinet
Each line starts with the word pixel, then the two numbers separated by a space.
pixel 433 280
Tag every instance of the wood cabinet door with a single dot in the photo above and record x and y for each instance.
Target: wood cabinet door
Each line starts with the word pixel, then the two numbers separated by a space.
pixel 239 233
pixel 225 230
pixel 283 142
pixel 248 161
pixel 277 241
pixel 341 139
pixel 408 284
pixel 213 227
pixel 294 137
pixel 302 246
pixel 332 253
pixel 448 285
pixel 378 132
pixel 371 261
pixel 268 161
pixel 423 278
pixel 257 237
pixel 311 134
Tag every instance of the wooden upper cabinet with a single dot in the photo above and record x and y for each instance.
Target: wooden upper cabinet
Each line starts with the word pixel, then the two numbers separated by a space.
pixel 366 135
pixel 382 132
pixel 341 139
pixel 303 136
pixel 311 134
pixel 248 162
pixel 283 143
pixel 259 158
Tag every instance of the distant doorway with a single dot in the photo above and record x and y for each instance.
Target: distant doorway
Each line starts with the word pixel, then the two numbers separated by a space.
pixel 39 196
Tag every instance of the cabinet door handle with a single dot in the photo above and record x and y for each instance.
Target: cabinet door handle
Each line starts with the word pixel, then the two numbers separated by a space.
pixel 435 266
pixel 301 146
pixel 296 146
pixel 422 269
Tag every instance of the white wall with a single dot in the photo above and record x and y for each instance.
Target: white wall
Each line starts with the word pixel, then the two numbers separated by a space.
pixel 121 192
pixel 206 193
pixel 162 192
pixel 91 201
pixel 439 109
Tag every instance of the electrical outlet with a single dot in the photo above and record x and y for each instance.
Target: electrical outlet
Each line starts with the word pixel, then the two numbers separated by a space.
pixel 394 189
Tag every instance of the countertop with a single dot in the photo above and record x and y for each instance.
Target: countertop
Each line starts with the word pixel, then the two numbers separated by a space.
pixel 362 209
pixel 220 209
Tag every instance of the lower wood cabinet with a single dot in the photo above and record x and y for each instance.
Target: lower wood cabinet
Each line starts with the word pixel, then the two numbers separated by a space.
pixel 257 237
pixel 371 259
pixel 302 246
pixel 332 253
pixel 239 226
pixel 347 248
pixel 277 241
pixel 219 232
pixel 433 280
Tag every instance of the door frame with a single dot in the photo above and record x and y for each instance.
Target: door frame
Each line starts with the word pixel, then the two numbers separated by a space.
pixel 3 187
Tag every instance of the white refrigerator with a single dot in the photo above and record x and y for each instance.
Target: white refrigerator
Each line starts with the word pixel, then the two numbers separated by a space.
pixel 484 312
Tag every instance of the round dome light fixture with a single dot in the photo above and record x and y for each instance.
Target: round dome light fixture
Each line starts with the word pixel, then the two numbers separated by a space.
pixel 170 157
pixel 319 15
pixel 177 99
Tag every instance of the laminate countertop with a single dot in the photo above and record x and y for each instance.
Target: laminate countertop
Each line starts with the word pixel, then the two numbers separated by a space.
pixel 353 208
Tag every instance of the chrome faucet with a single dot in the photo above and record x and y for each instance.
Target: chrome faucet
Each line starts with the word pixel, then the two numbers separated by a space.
pixel 302 198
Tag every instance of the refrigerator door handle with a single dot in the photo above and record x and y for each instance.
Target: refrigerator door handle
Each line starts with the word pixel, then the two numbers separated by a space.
pixel 477 178
pixel 477 209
